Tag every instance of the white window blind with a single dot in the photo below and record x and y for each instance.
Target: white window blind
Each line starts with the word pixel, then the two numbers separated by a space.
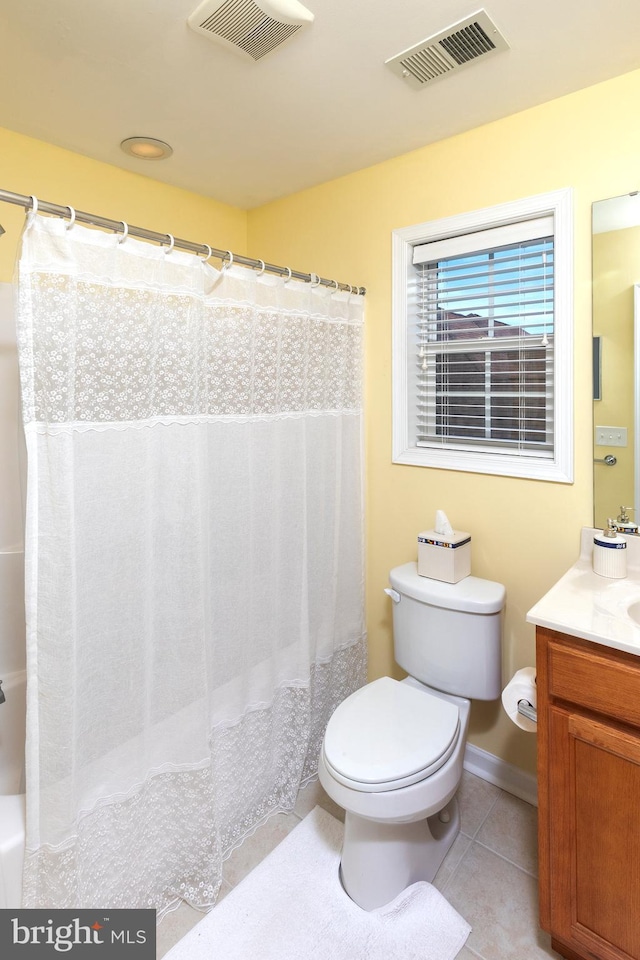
pixel 484 339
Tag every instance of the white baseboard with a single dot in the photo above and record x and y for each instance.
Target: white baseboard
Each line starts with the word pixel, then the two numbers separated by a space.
pixel 502 774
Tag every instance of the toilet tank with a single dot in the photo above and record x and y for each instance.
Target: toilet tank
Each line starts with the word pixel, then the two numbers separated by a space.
pixel 449 635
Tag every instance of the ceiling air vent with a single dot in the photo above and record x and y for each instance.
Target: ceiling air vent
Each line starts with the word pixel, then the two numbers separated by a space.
pixel 457 46
pixel 248 27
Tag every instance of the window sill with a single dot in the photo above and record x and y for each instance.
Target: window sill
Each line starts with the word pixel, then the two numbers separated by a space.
pixel 529 468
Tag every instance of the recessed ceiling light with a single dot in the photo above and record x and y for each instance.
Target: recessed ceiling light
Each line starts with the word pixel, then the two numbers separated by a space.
pixel 146 148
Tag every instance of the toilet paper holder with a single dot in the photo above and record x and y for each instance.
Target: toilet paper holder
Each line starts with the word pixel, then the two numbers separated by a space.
pixel 527 710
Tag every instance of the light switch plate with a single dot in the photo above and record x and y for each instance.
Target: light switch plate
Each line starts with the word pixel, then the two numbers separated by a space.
pixel 611 436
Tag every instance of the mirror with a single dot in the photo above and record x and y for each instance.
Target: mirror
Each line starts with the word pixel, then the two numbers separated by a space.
pixel 616 357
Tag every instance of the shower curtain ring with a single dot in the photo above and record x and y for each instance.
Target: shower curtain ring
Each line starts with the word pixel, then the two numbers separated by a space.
pixel 208 256
pixel 225 265
pixel 288 269
pixel 125 232
pixel 171 245
pixel 34 210
pixel 314 279
pixel 337 285
pixel 262 268
pixel 72 218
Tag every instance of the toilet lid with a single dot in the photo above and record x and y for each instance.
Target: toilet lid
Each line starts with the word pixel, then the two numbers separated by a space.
pixel 388 732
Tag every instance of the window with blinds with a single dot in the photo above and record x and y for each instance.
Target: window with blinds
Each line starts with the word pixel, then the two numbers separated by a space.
pixel 484 343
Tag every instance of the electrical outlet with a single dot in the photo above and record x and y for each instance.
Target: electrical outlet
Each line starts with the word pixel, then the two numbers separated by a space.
pixel 611 436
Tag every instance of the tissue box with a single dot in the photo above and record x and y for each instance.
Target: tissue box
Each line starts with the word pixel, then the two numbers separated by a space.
pixel 444 557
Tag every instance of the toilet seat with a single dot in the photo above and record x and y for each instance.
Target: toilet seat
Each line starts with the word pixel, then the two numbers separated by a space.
pixel 388 735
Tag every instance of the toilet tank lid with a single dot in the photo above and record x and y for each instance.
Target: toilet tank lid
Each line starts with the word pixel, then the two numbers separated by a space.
pixel 470 595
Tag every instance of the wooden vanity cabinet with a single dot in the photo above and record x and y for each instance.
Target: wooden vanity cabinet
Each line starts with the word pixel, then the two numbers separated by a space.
pixel 588 797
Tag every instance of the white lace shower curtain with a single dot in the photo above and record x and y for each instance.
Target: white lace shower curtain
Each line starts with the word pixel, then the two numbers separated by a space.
pixel 194 545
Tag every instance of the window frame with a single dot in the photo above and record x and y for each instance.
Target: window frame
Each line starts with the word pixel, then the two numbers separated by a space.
pixel 557 204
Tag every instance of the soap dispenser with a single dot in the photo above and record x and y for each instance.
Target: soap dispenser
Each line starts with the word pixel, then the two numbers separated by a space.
pixel 624 524
pixel 610 553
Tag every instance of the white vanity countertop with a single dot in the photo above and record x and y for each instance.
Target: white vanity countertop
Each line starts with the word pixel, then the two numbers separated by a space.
pixel 592 607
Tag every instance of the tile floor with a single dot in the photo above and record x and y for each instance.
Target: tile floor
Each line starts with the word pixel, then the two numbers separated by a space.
pixel 489 875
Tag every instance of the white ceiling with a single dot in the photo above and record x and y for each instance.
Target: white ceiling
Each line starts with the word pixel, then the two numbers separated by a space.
pixel 85 74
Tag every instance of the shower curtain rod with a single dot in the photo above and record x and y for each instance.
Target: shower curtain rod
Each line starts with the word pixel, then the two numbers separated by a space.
pixel 119 226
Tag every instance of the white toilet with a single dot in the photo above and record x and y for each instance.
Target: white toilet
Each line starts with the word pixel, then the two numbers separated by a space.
pixel 393 751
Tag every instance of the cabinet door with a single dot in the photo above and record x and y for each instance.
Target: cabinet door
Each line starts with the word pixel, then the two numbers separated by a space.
pixel 594 794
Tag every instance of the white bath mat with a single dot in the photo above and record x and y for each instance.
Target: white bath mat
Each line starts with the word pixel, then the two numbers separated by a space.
pixel 292 906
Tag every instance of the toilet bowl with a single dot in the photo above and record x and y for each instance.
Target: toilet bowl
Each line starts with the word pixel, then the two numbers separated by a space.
pixel 393 751
pixel 398 829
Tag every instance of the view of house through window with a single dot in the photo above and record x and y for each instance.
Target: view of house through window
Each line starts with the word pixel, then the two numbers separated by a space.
pixel 485 347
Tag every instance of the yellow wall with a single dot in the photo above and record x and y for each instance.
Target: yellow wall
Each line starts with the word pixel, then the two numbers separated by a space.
pixel 525 533
pixel 616 268
pixel 30 166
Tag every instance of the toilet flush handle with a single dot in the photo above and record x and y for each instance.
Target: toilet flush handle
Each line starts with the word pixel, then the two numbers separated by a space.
pixel 395 596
